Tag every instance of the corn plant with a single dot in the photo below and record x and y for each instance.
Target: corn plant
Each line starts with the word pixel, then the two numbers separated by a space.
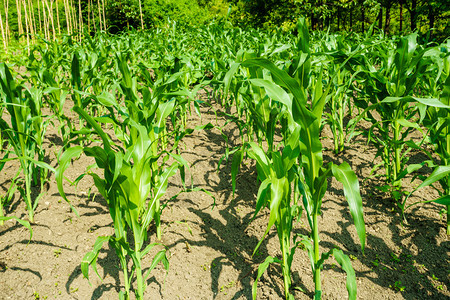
pixel 151 110
pixel 397 77
pixel 312 174
pixel 128 180
pixel 4 199
pixel 437 122
pixel 25 134
pixel 277 172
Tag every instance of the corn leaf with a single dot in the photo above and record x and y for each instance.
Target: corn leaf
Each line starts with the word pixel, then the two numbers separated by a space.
pixel 347 177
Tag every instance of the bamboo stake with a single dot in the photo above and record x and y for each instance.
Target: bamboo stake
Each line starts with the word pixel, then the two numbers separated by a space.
pixel 19 16
pixel 73 15
pixel 80 15
pixel 68 18
pixel 142 18
pixel 5 46
pixel 89 14
pixel 32 20
pixel 8 33
pixel 50 16
pixel 44 17
pixel 40 21
pixel 57 17
pixel 104 18
pixel 99 14
pixel 27 26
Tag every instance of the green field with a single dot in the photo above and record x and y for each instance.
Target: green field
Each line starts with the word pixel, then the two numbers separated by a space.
pixel 217 161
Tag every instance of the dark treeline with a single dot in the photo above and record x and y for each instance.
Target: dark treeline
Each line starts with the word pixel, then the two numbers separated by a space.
pixel 28 19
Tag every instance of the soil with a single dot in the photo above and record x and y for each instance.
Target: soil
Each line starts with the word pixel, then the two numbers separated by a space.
pixel 210 237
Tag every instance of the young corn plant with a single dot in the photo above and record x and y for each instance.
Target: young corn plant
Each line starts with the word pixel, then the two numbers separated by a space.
pixel 132 188
pixel 340 106
pixel 388 87
pixel 437 122
pixel 25 134
pixel 277 172
pixel 152 111
pixel 312 174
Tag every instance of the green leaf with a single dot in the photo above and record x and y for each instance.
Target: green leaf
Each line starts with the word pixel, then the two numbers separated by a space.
pixel 90 259
pixel 160 256
pixel 261 197
pixel 279 188
pixel 94 125
pixel 444 200
pixel 274 91
pixel 438 173
pixel 344 261
pixel 261 269
pixel 237 160
pixel 433 102
pixel 20 221
pixel 64 163
pixel 347 177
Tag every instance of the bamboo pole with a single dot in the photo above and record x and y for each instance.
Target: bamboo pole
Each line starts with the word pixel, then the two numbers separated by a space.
pixel 73 15
pixel 8 33
pixel 44 17
pixel 57 17
pixel 104 18
pixel 32 20
pixel 89 16
pixel 80 15
pixel 68 18
pixel 99 14
pixel 39 15
pixel 50 16
pixel 5 46
pixel 142 18
pixel 19 16
pixel 27 24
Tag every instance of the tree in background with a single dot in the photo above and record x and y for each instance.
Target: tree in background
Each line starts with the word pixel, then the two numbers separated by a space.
pixel 25 19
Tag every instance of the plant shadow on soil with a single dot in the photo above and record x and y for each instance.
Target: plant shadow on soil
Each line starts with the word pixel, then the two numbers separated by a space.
pixel 398 262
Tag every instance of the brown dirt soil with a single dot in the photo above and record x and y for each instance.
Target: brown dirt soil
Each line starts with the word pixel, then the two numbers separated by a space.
pixel 210 246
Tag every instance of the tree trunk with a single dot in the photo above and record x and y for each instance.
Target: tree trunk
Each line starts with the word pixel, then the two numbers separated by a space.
pixel 387 21
pixel 351 19
pixel 431 16
pixel 338 17
pixel 363 17
pixel 380 19
pixel 413 14
pixel 401 16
